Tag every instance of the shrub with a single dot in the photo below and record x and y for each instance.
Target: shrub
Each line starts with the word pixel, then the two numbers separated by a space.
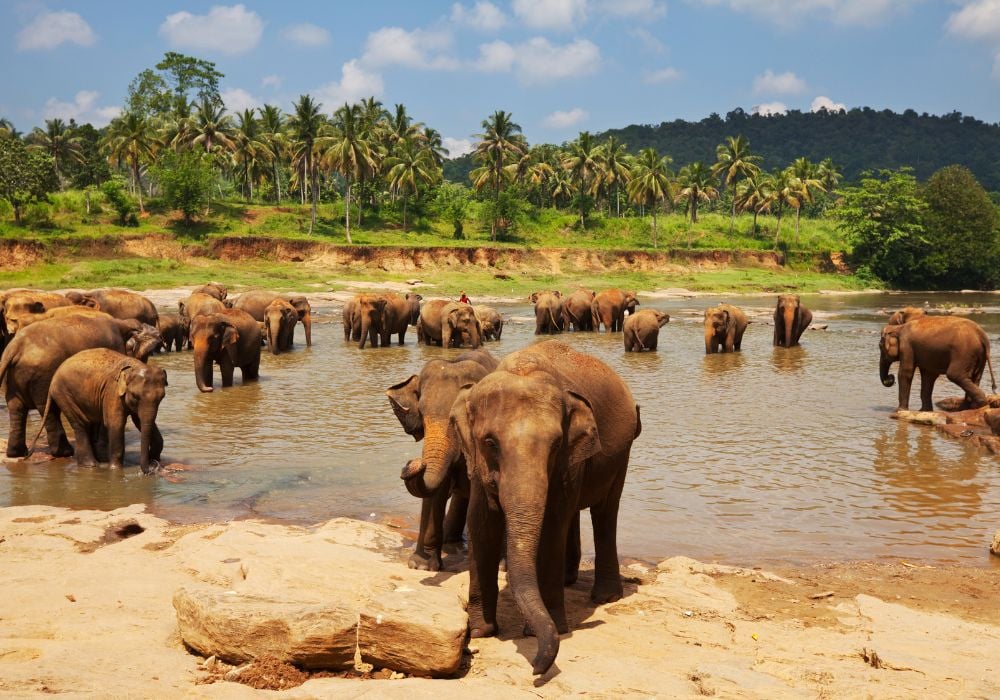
pixel 121 201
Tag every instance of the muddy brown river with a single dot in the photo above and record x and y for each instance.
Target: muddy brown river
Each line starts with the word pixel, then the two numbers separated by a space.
pixel 768 455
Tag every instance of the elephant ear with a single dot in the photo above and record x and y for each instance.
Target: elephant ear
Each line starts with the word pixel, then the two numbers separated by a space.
pixel 461 420
pixel 581 436
pixel 121 383
pixel 405 401
pixel 230 336
pixel 533 298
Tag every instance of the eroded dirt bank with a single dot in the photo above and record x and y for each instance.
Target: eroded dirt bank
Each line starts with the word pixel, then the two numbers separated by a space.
pixel 87 610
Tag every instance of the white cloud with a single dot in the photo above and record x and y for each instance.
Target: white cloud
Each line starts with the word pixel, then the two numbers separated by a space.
pixel 356 83
pixel 663 75
pixel 558 15
pixel 50 29
pixel 419 48
pixel 565 119
pixel 307 35
pixel 649 42
pixel 539 61
pixel 83 109
pixel 226 29
pixel 640 9
pixel 238 99
pixel 271 81
pixel 785 13
pixel 778 84
pixel 769 109
pixel 495 57
pixel 457 147
pixel 824 102
pixel 979 19
pixel 484 16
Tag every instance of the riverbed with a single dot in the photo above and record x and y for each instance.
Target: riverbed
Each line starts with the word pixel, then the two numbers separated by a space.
pixel 767 455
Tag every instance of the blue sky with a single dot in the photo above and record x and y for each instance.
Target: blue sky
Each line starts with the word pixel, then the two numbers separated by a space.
pixel 559 65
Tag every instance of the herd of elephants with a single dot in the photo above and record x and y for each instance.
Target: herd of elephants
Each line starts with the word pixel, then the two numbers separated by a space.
pixel 513 448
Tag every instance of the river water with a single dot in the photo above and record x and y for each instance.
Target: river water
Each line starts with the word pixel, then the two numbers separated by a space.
pixel 768 455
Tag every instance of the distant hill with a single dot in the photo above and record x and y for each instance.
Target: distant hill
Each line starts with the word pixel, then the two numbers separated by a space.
pixel 858 140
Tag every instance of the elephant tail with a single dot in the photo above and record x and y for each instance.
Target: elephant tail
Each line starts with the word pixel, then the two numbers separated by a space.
pixel 4 366
pixel 555 323
pixel 45 415
pixel 989 363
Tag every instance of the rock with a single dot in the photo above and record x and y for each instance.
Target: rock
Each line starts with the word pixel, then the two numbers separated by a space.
pixel 818 327
pixel 992 419
pixel 417 631
pixel 921 417
pixel 240 627
pixel 995 547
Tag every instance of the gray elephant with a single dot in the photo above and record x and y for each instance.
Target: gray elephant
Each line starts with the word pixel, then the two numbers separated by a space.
pixel 230 338
pixel 280 318
pixel 399 313
pixel 449 324
pixel 642 329
pixel 422 405
pixel 791 319
pixel 490 321
pixel 724 328
pixel 610 308
pixel 546 434
pixel 97 391
pixel 548 312
pixel 577 314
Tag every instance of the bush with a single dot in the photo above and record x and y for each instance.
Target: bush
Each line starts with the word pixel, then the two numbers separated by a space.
pixel 121 201
pixel 186 179
pixel 38 215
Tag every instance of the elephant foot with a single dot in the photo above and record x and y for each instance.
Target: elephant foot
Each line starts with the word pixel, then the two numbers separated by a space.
pixel 88 462
pixel 607 591
pixel 483 629
pixel 62 451
pixel 17 450
pixel 424 562
pixel 570 577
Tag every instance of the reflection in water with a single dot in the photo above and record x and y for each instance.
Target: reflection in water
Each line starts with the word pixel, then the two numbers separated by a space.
pixel 765 454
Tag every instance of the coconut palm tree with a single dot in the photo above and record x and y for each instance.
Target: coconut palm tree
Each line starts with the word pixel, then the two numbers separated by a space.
pixel 500 143
pixel 754 194
pixel 348 151
pixel 828 175
pixel 250 150
pixel 6 125
pixel 561 185
pixel 432 139
pixel 806 174
pixel 58 141
pixel 617 169
pixel 400 127
pixel 272 126
pixel 649 182
pixel 735 162
pixel 786 190
pixel 584 161
pixel 409 168
pixel 210 128
pixel 695 183
pixel 305 124
pixel 130 138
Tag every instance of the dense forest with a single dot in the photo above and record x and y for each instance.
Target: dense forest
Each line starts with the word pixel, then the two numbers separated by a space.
pixel 857 140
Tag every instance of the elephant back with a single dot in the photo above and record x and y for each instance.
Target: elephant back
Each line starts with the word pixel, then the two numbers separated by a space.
pixel 430 317
pixel 254 302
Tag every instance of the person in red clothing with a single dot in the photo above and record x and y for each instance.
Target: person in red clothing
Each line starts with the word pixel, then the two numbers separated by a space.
pixel 464 299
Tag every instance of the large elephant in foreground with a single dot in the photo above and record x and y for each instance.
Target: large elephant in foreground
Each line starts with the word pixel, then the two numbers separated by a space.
pixel 790 320
pixel 642 329
pixel 724 328
pixel 230 338
pixel 449 324
pixel 545 435
pixel 399 313
pixel 577 314
pixel 32 358
pixel 955 347
pixel 97 391
pixel 548 312
pixel 610 307
pixel 423 404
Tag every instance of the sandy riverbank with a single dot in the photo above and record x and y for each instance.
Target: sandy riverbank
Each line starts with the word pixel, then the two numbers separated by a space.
pixel 88 613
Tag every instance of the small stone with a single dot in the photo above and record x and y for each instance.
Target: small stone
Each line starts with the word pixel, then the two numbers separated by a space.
pixel 995 547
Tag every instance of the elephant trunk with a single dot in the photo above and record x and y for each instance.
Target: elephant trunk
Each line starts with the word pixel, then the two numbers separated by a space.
pixel 202 366
pixel 885 363
pixel 791 315
pixel 273 335
pixel 147 419
pixel 308 325
pixel 424 476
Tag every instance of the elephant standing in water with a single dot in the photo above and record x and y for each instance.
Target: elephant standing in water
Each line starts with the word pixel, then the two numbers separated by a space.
pixel 423 404
pixel 491 322
pixel 642 329
pixel 398 315
pixel 280 318
pixel 254 302
pixel 212 289
pixel 577 314
pixel 610 307
pixel 790 320
pixel 545 435
pixel 97 391
pixel 174 330
pixel 230 338
pixel 449 324
pixel 955 347
pixel 724 328
pixel 548 312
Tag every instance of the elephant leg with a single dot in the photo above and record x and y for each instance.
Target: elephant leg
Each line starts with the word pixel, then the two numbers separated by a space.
pixel 98 441
pixel 402 335
pixel 116 445
pixel 226 368
pixel 573 552
pixel 738 338
pixel 486 540
pixel 906 371
pixel 155 439
pixel 454 521
pixel 927 380
pixel 251 372
pixel 427 552
pixel 651 344
pixel 16 445
pixel 730 343
pixel 58 442
pixel 84 447
pixel 974 396
pixel 604 517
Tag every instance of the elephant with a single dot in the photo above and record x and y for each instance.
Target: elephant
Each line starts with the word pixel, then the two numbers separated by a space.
pixel 119 303
pixel 955 347
pixel 304 309
pixel 399 314
pixel 255 301
pixel 97 391
pixel 642 329
pixel 490 321
pixel 350 306
pixel 230 338
pixel 790 320
pixel 422 403
pixel 174 330
pixel 545 435
pixel 32 358
pixel 609 307
pixel 143 340
pixel 198 304
pixel 449 323
pixel 280 318
pixel 724 328
pixel 212 289
pixel 27 306
pixel 577 315
pixel 907 313
pixel 60 312
pixel 366 319
pixel 548 312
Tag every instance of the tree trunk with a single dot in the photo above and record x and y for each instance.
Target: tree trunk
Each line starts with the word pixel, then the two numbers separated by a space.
pixel 798 211
pixel 314 181
pixel 694 210
pixel 138 182
pixel 404 213
pixel 732 221
pixel 777 229
pixel 654 227
pixel 17 212
pixel 347 210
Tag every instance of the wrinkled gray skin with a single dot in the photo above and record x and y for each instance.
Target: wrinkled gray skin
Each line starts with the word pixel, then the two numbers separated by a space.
pixel 610 307
pixel 577 313
pixel 790 320
pixel 548 312
pixel 724 328
pixel 98 391
pixel 423 405
pixel 230 338
pixel 545 435
pixel 174 330
pixel 642 329
pixel 32 358
pixel 398 315
pixel 490 321
pixel 280 318
pixel 449 324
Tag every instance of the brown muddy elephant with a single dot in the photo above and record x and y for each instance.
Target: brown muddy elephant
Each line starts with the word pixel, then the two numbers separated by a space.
pixel 610 307
pixel 174 330
pixel 118 303
pixel 304 308
pixel 97 391
pixel 577 313
pixel 548 312
pixel 399 314
pixel 32 358
pixel 26 306
pixel 230 338
pixel 198 304
pixel 907 313
pixel 213 289
pixel 490 321
pixel 642 329
pixel 143 340
pixel 280 318
pixel 790 320
pixel 350 306
pixel 449 324
pixel 254 302
pixel 422 405
pixel 955 347
pixel 366 319
pixel 724 328
pixel 545 435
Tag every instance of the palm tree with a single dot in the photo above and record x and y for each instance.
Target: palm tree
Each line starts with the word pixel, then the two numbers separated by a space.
pixel 348 151
pixel 58 141
pixel 650 181
pixel 250 150
pixel 805 172
pixel 272 125
pixel 432 139
pixel 561 186
pixel 411 166
pixel 785 191
pixel 399 127
pixel 6 125
pixel 695 182
pixel 828 175
pixel 754 193
pixel 306 124
pixel 735 162
pixel 130 138
pixel 616 169
pixel 209 127
pixel 500 143
pixel 585 163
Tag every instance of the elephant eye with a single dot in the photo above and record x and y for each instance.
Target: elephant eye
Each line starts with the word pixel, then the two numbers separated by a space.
pixel 491 443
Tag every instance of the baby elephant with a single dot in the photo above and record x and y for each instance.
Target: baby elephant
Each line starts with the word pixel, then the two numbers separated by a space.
pixel 724 328
pixel 98 390
pixel 642 329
